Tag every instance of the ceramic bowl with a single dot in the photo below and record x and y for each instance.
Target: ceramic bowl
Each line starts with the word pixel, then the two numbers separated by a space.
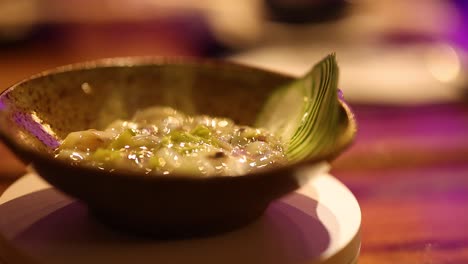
pixel 37 113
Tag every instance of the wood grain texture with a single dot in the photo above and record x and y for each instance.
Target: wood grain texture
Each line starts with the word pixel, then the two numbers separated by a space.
pixel 415 215
pixel 410 176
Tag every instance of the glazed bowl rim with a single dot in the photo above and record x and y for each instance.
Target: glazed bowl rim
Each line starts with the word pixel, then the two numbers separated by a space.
pixel 138 61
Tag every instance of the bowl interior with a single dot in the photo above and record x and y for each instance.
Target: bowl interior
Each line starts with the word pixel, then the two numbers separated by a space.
pixel 39 112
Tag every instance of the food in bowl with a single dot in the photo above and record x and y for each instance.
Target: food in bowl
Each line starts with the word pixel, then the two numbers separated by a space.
pixel 161 140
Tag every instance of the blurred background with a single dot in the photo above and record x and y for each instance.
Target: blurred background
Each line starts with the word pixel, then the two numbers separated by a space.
pixel 390 52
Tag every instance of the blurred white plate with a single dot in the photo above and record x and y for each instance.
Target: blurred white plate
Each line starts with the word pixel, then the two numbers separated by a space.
pixel 370 72
pixel 319 223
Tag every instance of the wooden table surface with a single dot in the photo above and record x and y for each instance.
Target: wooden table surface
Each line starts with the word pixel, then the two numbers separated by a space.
pixel 410 176
pixel 408 167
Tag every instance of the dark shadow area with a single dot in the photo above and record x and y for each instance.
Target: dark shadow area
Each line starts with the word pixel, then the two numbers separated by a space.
pixel 59 229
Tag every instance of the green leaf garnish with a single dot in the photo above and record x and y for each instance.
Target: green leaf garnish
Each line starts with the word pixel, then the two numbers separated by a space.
pixel 201 131
pixel 123 139
pixel 306 114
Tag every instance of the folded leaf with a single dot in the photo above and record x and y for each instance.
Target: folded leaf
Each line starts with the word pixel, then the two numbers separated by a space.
pixel 305 114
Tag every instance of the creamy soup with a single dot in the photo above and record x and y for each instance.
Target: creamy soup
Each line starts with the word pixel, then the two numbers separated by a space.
pixel 161 140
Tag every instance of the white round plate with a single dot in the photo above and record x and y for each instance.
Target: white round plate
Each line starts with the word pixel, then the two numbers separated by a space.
pixel 317 224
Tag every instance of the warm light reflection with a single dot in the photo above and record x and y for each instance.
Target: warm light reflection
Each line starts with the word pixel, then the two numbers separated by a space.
pixel 443 63
pixel 33 124
pixel 45 127
pixel 87 89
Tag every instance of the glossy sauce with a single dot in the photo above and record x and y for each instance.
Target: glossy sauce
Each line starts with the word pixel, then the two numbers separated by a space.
pixel 161 140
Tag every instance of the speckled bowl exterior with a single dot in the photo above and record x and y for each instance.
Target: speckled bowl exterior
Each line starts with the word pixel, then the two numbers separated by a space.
pixel 93 94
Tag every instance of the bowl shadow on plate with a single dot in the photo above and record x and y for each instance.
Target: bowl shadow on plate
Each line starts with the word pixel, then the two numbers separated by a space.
pixel 64 228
